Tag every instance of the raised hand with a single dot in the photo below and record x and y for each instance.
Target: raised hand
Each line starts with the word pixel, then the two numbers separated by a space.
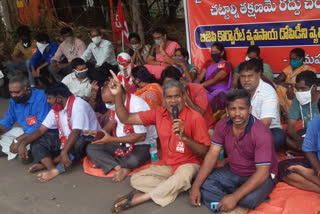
pixel 115 85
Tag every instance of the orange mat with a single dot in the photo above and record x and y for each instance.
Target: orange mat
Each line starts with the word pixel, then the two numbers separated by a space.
pixel 88 168
pixel 286 199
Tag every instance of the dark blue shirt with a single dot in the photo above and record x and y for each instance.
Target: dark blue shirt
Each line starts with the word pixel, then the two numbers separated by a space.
pixel 46 56
pixel 311 141
pixel 36 106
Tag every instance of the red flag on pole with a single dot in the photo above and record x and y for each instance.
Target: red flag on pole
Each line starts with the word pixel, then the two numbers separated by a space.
pixel 120 24
pixel 113 26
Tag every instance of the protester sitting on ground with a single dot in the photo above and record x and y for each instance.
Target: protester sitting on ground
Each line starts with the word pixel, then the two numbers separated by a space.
pixel 195 96
pixel 162 50
pixel 68 50
pixel 216 77
pixel 138 51
pixel 124 75
pixel 148 88
pixel 22 54
pixel 304 173
pixel 251 174
pixel 180 61
pixel 252 52
pixel 181 155
pixel 287 78
pixel 42 58
pixel 304 106
pixel 78 81
pixel 57 151
pixel 128 146
pixel 101 49
pixel 29 107
pixel 264 99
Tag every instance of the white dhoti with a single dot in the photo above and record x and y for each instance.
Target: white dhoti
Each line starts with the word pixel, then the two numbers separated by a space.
pixel 6 141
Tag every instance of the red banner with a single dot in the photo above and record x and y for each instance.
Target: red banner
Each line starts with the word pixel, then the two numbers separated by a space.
pixel 276 26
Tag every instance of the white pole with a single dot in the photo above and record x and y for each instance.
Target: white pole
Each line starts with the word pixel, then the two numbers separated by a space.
pixel 122 41
pixel 186 16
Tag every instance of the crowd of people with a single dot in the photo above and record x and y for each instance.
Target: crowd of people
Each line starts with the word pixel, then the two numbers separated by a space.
pixel 114 108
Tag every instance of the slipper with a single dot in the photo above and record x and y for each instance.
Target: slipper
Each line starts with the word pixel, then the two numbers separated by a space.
pixel 127 204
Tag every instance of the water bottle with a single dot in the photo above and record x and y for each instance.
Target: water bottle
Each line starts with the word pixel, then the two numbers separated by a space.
pixel 153 153
pixel 220 162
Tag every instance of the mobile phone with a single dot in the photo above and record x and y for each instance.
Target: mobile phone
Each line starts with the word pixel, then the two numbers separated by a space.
pixel 214 206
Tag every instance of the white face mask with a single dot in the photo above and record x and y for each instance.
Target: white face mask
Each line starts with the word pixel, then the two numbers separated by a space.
pixel 135 47
pixel 126 71
pixel 96 40
pixel 247 58
pixel 304 97
pixel 111 107
pixel 158 41
pixel 41 47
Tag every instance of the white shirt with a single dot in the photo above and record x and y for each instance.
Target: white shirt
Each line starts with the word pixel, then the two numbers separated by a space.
pixel 103 53
pixel 82 117
pixel 136 105
pixel 77 87
pixel 265 104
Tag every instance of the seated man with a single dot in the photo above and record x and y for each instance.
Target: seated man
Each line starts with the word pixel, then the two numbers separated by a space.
pixel 304 107
pixel 53 151
pixel 196 96
pixel 28 107
pixel 124 75
pixel 128 147
pixel 68 50
pixel 264 99
pixel 304 173
pixel 184 142
pixel 251 174
pixel 42 57
pixel 22 54
pixel 102 50
pixel 78 82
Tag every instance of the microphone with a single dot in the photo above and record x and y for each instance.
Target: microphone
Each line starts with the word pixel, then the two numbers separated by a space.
pixel 175 112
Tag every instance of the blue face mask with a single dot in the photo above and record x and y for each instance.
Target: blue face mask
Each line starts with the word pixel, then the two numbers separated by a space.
pixel 295 63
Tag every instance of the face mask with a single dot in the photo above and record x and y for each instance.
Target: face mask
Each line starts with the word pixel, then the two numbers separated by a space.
pixel 126 71
pixel 111 107
pixel 57 107
pixel 135 47
pixel 21 99
pixel 216 57
pixel 81 74
pixel 304 97
pixel 41 47
pixel 295 63
pixel 247 58
pixel 96 40
pixel 158 41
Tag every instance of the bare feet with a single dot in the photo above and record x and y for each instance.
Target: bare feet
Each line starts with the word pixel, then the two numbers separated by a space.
pixel 120 175
pixel 48 175
pixel 237 210
pixel 305 172
pixel 36 167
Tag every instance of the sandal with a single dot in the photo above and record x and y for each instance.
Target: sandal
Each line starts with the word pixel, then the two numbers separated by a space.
pixel 127 204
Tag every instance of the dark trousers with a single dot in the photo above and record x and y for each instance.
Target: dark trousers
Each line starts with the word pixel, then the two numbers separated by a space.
pixel 222 182
pixel 102 156
pixel 48 146
pixel 279 138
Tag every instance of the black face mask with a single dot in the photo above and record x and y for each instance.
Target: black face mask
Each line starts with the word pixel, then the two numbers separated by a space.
pixel 21 99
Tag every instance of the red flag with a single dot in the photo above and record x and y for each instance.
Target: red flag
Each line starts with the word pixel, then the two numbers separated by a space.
pixel 120 24
pixel 113 27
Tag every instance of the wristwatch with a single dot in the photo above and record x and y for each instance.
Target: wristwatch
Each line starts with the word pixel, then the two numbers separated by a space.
pixel 15 141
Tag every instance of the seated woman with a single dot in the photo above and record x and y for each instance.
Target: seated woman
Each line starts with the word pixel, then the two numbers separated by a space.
pixel 161 51
pixel 148 88
pixel 304 173
pixel 138 51
pixel 216 77
pixel 287 79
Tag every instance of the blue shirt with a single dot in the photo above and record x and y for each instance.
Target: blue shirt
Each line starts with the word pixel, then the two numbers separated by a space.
pixel 311 141
pixel 46 56
pixel 36 106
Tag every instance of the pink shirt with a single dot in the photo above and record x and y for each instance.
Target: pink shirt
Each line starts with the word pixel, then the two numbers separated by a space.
pixel 70 51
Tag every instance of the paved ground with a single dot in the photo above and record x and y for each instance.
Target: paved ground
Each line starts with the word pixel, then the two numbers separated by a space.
pixel 71 193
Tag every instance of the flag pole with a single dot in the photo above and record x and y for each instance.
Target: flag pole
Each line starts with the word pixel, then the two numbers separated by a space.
pixel 122 40
pixel 113 27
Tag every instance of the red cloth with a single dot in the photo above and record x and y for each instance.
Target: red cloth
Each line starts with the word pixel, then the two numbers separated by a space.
pixel 199 97
pixel 120 24
pixel 194 125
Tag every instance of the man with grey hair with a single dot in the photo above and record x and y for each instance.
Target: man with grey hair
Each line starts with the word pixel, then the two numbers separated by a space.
pixel 28 106
pixel 184 142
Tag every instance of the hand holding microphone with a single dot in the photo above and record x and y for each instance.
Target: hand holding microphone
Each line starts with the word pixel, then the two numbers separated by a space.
pixel 175 113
